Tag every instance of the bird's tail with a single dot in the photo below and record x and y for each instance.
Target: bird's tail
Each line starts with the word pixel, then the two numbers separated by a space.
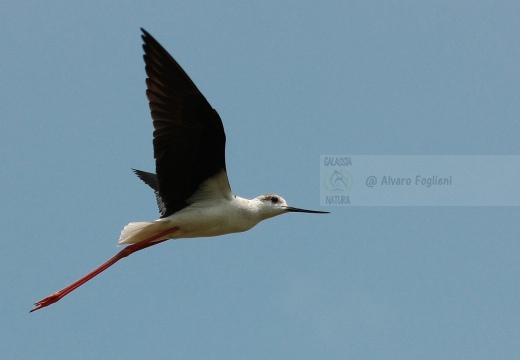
pixel 138 231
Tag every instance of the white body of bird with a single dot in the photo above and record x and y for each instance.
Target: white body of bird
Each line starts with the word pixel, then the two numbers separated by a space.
pixel 213 211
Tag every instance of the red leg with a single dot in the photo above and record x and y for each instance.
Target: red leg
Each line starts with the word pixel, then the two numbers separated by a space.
pixel 123 253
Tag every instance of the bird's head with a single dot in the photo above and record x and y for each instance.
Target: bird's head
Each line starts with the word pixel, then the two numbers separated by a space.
pixel 269 205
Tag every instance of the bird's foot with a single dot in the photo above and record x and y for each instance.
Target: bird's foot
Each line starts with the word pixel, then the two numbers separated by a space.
pixel 47 301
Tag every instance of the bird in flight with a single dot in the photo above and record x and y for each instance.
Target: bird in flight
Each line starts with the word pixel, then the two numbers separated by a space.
pixel 191 185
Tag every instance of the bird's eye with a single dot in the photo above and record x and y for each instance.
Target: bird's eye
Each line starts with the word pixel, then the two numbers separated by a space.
pixel 274 199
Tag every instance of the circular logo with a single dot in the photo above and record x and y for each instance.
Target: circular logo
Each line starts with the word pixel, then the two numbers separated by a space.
pixel 337 181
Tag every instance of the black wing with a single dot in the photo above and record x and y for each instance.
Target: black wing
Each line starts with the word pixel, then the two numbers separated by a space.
pixel 188 140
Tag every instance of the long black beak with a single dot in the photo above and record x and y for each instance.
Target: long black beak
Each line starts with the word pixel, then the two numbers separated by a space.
pixel 293 209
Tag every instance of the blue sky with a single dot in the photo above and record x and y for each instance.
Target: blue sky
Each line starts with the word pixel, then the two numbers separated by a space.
pixel 291 81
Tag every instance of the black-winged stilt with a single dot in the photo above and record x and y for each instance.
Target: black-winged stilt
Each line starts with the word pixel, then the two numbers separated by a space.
pixel 191 185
